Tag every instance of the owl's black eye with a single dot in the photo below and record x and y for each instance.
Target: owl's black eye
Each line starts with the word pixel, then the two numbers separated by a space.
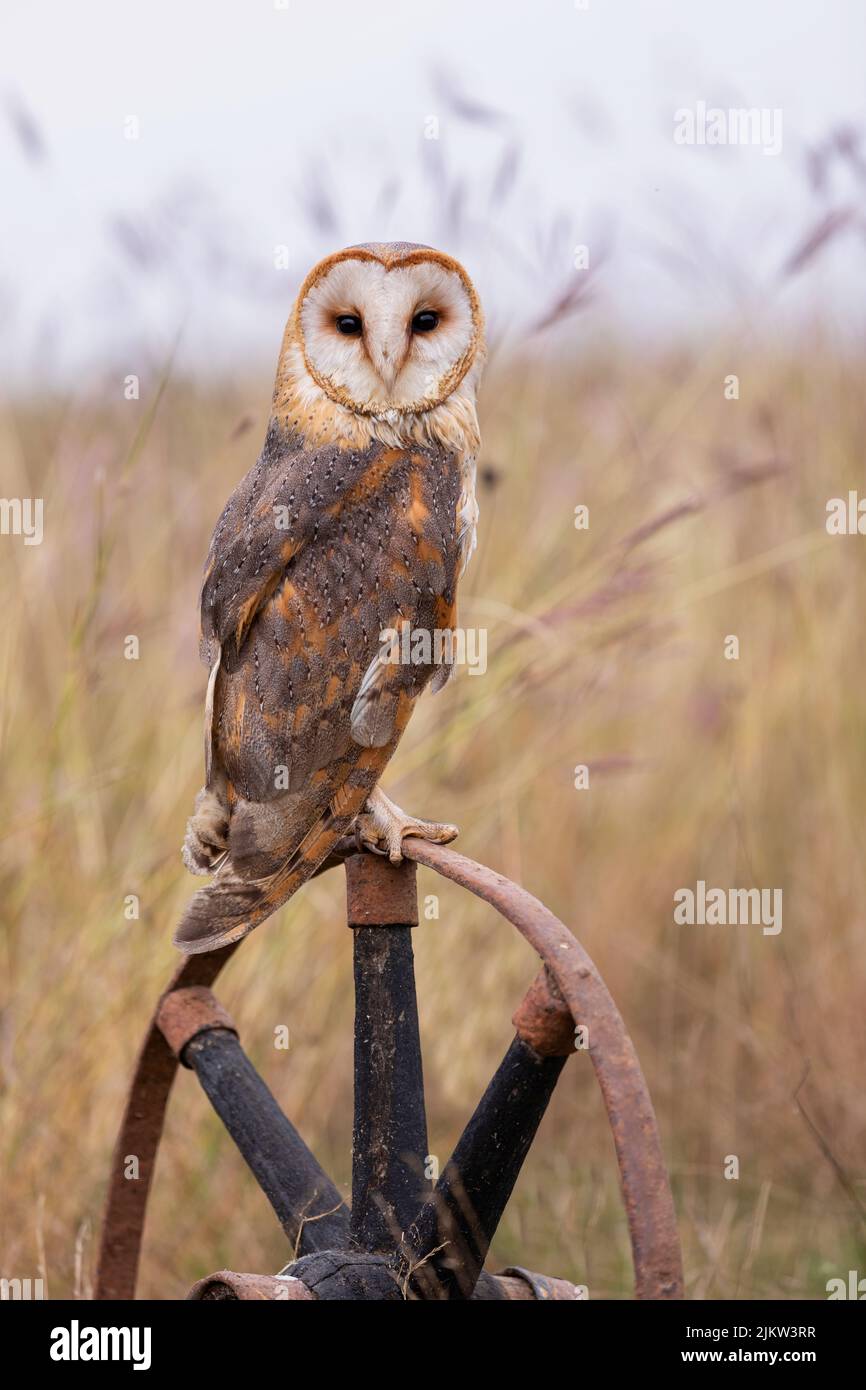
pixel 425 322
pixel 350 324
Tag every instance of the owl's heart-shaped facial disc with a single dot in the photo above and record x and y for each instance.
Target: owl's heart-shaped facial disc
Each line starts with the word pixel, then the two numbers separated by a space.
pixel 389 328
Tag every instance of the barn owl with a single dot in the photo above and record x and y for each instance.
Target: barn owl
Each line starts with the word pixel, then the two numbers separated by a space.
pixel 358 518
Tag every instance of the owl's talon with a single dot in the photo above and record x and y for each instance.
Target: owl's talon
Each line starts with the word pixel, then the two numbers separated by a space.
pixel 382 827
pixel 205 847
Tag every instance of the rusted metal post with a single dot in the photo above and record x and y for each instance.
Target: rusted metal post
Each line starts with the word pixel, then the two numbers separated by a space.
pixel 389 1143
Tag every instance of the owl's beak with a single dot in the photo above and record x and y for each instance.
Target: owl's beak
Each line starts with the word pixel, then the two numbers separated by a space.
pixel 389 354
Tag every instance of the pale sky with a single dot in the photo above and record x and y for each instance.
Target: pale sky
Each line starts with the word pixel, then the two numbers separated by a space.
pixel 303 125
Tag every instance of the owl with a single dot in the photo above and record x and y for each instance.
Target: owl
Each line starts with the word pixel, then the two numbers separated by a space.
pixel 356 523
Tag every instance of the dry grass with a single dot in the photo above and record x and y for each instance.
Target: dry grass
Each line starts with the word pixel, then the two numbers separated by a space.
pixel 606 647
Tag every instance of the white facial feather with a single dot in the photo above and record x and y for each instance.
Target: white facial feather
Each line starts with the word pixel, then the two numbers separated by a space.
pixel 388 368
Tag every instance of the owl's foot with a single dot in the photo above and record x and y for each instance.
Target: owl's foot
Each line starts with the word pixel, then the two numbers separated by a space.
pixel 382 828
pixel 207 834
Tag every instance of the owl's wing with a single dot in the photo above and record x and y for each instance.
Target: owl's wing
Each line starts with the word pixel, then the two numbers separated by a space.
pixel 254 539
pixel 275 511
pixel 466 523
pixel 316 554
pixel 268 519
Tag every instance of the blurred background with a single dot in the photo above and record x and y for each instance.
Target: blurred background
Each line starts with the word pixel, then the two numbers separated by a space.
pixel 169 177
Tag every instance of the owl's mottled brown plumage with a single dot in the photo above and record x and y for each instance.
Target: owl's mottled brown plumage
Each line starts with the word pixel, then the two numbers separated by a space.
pixel 350 524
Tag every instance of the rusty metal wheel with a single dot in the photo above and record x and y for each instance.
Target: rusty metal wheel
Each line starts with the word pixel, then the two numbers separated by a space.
pixel 403 1237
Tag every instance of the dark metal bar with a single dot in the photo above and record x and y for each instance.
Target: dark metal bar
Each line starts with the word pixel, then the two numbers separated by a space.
pixel 308 1205
pixel 449 1240
pixel 389 1144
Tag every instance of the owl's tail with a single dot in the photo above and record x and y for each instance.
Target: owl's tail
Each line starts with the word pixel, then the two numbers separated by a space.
pixel 230 907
